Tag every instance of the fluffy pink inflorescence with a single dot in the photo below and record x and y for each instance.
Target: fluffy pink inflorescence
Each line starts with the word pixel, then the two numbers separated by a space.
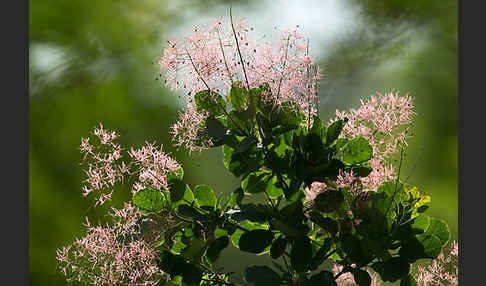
pixel 153 166
pixel 347 279
pixel 384 121
pixel 185 131
pixel 112 254
pixel 443 271
pixel 106 168
pixel 209 58
pixel 104 165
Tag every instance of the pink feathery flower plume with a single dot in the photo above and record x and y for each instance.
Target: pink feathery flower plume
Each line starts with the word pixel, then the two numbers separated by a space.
pixel 106 167
pixel 112 254
pixel 384 121
pixel 443 271
pixel 209 58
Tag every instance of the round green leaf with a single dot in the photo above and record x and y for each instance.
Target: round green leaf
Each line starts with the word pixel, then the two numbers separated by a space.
pixel 334 130
pixel 149 199
pixel 440 229
pixel 329 200
pixel 255 241
pixel 236 198
pixel 421 223
pixel 361 277
pixel 357 151
pixel 205 196
pixel 431 245
pixel 216 247
pixel 256 182
pixel 235 237
pixel 238 95
pixel 278 247
pixel 177 188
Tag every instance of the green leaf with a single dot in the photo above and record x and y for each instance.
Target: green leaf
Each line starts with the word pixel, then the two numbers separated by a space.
pixel 216 247
pixel 149 199
pixel 217 131
pixel 242 163
pixel 177 189
pixel 392 270
pixel 262 276
pixel 328 224
pixel 439 229
pixel 178 174
pixel 339 143
pixel 323 278
pixel 431 244
pixel 194 250
pixel 205 196
pixel 235 237
pixel 253 212
pixel 255 241
pixel 273 188
pixel 421 223
pixel 329 200
pixel 210 101
pixel 244 145
pixel 301 254
pixel 176 265
pixel 357 151
pixel 361 277
pixel 334 130
pixel 238 96
pixel 256 182
pixel 188 211
pixel 236 198
pixel 278 247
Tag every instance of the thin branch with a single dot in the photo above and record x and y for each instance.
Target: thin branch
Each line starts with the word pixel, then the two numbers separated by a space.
pixel 239 52
pixel 224 58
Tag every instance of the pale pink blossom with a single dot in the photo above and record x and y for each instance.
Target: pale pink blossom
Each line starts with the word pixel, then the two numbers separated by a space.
pixel 314 190
pixel 384 121
pixel 209 58
pixel 443 271
pixel 153 165
pixel 106 168
pixel 347 179
pixel 114 254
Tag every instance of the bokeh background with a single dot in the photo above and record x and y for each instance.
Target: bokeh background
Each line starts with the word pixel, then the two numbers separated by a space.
pixel 96 61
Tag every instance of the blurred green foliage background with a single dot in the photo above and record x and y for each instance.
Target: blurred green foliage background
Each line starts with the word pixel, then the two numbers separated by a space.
pixel 96 61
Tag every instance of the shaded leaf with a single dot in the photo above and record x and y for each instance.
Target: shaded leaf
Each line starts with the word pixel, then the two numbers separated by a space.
pixel 301 254
pixel 255 241
pixel 262 276
pixel 216 247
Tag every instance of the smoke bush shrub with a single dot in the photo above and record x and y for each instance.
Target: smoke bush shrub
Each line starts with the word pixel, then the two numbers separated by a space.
pixel 332 190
